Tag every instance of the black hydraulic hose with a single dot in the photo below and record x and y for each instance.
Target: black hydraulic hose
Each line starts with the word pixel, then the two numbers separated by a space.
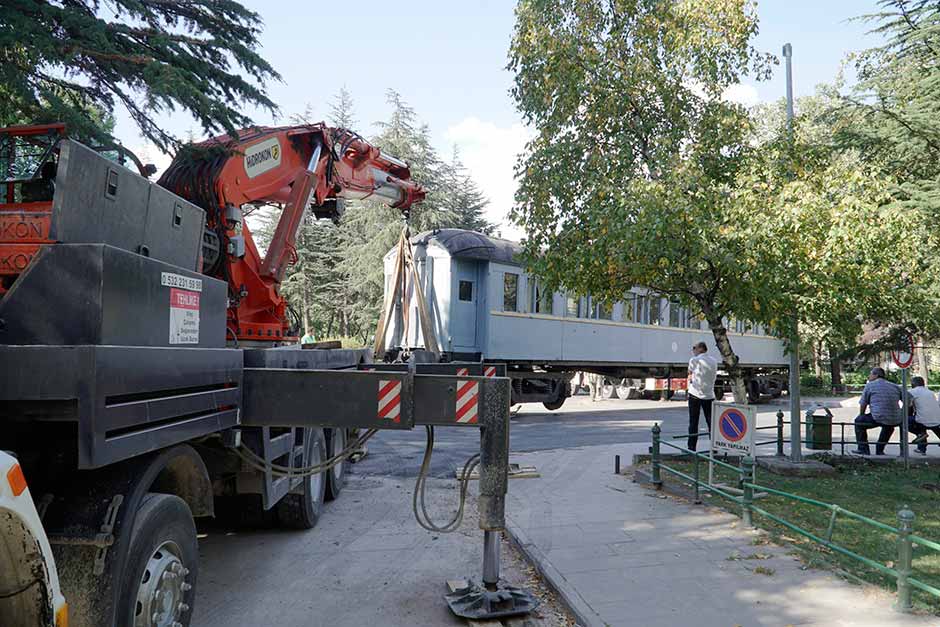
pixel 454 523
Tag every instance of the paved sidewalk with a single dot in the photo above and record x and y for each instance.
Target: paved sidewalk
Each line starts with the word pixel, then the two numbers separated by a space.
pixel 621 555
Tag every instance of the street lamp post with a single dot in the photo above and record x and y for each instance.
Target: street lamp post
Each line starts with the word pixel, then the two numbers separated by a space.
pixel 796 451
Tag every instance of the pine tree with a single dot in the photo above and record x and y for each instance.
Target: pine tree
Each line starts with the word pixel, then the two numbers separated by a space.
pixel 464 198
pixel 371 229
pixel 63 61
pixel 341 110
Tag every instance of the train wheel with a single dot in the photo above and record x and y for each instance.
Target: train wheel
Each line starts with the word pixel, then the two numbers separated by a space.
pixel 753 391
pixel 163 561
pixel 301 509
pixel 553 405
pixel 335 476
pixel 627 392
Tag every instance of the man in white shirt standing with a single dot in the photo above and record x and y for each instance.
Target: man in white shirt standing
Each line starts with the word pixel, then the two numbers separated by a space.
pixel 926 413
pixel 703 368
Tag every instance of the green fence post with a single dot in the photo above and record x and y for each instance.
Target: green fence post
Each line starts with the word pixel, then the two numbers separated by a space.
pixel 695 471
pixel 779 433
pixel 657 479
pixel 747 496
pixel 905 556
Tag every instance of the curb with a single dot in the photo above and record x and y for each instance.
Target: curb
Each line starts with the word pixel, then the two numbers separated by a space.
pixel 582 612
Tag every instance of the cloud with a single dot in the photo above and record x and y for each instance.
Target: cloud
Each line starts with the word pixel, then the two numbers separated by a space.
pixel 489 153
pixel 741 94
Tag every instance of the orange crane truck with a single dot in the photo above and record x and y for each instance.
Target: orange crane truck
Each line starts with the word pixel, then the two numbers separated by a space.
pixel 150 375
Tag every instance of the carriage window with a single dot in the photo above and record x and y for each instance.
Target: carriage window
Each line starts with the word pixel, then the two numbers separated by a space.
pixel 540 299
pixel 510 291
pixel 628 307
pixel 465 291
pixel 572 306
pixel 642 309
pixel 654 310
pixel 679 316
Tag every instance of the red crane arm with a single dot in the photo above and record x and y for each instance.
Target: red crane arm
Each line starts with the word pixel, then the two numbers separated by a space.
pixel 299 167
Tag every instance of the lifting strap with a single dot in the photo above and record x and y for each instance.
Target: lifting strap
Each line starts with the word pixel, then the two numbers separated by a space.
pixel 404 267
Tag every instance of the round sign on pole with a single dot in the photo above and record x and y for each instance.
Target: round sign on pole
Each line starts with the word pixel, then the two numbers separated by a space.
pixel 903 355
pixel 733 431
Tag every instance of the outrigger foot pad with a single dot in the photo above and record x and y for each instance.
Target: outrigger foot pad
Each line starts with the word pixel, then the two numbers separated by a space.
pixel 477 602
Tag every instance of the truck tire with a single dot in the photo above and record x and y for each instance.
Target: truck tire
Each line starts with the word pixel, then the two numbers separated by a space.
pixel 162 565
pixel 301 509
pixel 556 404
pixel 336 476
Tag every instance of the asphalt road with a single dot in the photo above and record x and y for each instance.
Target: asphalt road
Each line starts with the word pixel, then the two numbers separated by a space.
pixel 368 562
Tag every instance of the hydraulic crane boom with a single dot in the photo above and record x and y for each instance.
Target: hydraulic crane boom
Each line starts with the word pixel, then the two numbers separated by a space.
pixel 296 167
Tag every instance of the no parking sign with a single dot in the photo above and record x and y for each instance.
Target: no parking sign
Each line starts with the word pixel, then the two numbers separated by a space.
pixel 733 429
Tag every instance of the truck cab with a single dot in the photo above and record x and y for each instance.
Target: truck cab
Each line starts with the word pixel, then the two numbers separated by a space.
pixel 29 583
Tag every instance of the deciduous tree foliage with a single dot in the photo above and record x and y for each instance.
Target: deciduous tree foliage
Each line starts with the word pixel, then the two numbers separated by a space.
pixel 61 60
pixel 642 174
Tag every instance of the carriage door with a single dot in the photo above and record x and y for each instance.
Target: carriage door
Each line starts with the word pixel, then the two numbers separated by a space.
pixel 464 323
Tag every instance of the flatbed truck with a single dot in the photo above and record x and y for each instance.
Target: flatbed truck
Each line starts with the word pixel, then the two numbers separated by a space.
pixel 132 407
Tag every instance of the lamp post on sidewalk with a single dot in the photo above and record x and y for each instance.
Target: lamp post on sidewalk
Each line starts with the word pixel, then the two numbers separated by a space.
pixel 796 452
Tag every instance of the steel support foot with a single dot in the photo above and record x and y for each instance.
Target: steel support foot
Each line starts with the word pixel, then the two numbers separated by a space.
pixel 493 601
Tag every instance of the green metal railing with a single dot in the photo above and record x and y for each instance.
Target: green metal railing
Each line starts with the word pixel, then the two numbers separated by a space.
pixel 747 486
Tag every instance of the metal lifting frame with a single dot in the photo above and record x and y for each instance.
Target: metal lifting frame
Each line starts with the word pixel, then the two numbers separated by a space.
pixel 402 396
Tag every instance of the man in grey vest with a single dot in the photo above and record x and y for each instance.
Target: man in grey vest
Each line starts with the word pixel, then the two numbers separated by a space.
pixel 878 407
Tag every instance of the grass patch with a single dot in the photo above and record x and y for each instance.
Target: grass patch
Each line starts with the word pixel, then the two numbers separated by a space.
pixel 877 491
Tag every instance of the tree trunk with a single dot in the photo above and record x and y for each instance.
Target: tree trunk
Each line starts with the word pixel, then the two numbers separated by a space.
pixel 835 365
pixel 922 367
pixel 329 324
pixel 720 333
pixel 817 358
pixel 306 308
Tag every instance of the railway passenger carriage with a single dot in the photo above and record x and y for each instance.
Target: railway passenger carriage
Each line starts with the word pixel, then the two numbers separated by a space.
pixel 485 306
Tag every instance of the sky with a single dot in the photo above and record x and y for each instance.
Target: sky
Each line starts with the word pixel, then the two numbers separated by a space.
pixel 448 61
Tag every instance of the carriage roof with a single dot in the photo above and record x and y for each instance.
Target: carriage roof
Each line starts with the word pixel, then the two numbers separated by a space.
pixel 464 244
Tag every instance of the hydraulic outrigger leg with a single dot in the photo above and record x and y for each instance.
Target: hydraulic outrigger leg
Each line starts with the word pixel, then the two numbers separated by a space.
pixel 400 396
pixel 494 598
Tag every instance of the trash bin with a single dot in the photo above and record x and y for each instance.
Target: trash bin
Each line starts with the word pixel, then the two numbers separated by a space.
pixel 819 429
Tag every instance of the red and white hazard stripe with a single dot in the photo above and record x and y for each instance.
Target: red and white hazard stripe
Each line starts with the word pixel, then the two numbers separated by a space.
pixel 489 371
pixel 468 398
pixel 463 372
pixel 390 399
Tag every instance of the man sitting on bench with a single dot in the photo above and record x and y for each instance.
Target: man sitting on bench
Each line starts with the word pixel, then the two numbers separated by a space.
pixel 925 413
pixel 882 398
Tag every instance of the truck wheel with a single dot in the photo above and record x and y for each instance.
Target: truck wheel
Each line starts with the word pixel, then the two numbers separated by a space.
pixel 335 476
pixel 553 405
pixel 301 510
pixel 162 564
